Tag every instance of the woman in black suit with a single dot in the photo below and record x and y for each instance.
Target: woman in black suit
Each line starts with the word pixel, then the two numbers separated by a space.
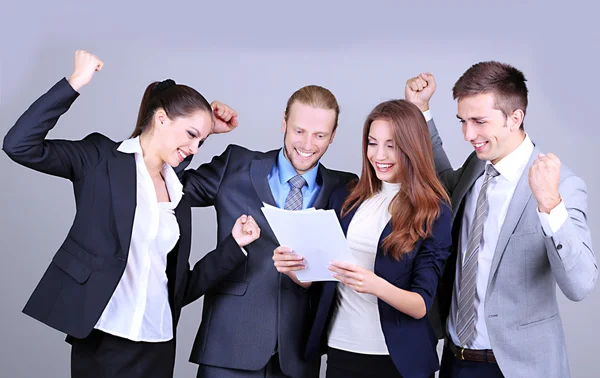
pixel 117 284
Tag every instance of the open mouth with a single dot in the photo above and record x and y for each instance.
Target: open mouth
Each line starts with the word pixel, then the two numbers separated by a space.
pixel 384 167
pixel 303 154
pixel 182 155
pixel 479 146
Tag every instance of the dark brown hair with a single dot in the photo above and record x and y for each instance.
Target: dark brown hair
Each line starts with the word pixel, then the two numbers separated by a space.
pixel 504 81
pixel 418 201
pixel 176 100
pixel 317 97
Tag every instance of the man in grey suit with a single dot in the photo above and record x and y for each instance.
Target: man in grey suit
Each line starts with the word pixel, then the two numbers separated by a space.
pixel 254 323
pixel 519 228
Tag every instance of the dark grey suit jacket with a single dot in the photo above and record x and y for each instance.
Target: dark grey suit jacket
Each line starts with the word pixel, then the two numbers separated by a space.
pixel 255 307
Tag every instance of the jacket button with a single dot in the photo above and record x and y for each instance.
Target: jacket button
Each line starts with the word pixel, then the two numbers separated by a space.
pixel 559 247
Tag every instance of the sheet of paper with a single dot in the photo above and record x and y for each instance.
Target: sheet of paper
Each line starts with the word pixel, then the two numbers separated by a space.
pixel 314 234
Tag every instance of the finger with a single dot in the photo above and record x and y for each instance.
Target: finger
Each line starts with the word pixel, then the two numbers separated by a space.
pixel 234 121
pixel 283 249
pixel 413 86
pixel 286 270
pixel 344 265
pixel 287 257
pixel 344 272
pixel 243 218
pixel 289 263
pixel 422 82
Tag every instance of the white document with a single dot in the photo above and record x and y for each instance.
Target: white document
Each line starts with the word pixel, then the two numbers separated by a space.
pixel 315 235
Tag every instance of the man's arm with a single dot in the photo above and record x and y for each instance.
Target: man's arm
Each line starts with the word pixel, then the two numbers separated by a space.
pixel 419 91
pixel 562 212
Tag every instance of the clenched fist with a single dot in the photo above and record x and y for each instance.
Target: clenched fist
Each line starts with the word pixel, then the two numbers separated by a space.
pixel 86 64
pixel 419 90
pixel 544 176
pixel 225 118
pixel 245 230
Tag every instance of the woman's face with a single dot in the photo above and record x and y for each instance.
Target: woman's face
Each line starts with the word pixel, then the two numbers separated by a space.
pixel 178 138
pixel 381 151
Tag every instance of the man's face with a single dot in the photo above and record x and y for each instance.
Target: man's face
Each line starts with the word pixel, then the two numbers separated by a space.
pixel 307 134
pixel 492 135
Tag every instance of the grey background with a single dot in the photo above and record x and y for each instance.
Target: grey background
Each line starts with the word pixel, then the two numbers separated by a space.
pixel 253 55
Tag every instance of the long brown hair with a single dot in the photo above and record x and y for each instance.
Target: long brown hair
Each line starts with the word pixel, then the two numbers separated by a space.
pixel 417 203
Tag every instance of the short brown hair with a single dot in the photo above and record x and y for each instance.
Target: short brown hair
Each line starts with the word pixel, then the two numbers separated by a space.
pixel 317 97
pixel 504 81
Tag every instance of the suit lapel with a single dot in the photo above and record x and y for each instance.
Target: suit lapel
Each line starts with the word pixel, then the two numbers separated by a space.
pixel 517 205
pixel 259 174
pixel 184 216
pixel 329 182
pixel 472 172
pixel 123 190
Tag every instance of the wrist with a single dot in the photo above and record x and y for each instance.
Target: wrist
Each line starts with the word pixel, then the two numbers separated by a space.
pixel 549 204
pixel 76 82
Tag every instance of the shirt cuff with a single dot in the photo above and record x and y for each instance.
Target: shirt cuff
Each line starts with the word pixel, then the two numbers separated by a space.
pixel 244 251
pixel 427 115
pixel 552 222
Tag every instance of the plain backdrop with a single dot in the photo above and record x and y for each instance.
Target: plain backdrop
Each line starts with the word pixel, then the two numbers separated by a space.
pixel 253 56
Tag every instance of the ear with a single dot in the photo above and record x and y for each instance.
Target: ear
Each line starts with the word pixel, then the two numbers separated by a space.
pixel 515 120
pixel 160 117
pixel 332 135
pixel 283 124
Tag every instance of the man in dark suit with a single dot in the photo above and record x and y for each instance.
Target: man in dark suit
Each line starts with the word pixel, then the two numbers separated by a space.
pixel 255 322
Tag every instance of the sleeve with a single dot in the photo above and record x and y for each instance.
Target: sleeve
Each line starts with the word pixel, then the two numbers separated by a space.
pixel 26 142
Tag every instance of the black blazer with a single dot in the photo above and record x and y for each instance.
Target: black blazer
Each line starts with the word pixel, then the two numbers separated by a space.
pixel 411 342
pixel 87 267
pixel 255 307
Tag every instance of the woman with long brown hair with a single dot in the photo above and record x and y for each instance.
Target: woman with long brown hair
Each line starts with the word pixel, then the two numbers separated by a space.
pixel 396 218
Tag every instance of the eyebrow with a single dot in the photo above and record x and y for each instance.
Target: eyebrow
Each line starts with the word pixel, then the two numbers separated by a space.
pixel 316 132
pixel 472 118
pixel 389 140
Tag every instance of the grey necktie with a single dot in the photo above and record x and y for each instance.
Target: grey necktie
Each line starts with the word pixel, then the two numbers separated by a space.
pixel 294 198
pixel 465 325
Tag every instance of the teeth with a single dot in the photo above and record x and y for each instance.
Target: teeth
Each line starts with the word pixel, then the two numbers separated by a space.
pixel 304 154
pixel 384 166
pixel 182 154
pixel 477 145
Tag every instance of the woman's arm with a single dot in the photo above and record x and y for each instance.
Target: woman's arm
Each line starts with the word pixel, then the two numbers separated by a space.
pixel 427 270
pixel 26 141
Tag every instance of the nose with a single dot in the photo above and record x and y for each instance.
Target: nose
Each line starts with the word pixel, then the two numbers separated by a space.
pixel 306 145
pixel 380 153
pixel 194 147
pixel 469 132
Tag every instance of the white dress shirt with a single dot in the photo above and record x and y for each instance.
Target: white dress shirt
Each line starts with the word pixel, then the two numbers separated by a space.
pixel 499 193
pixel 355 325
pixel 139 308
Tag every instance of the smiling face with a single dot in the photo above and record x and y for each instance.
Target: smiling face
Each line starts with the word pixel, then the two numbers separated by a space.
pixel 381 151
pixel 492 135
pixel 180 137
pixel 308 132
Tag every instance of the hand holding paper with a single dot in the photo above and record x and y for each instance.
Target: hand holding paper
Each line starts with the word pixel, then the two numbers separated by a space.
pixel 312 238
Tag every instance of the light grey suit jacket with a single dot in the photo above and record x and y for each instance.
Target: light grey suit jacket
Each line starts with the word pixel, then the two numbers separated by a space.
pixel 522 317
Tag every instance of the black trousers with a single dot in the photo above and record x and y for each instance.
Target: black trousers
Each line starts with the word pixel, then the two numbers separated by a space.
pixel 342 364
pixel 101 355
pixel 272 370
pixel 452 367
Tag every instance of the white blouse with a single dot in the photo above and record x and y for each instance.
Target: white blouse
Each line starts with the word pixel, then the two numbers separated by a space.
pixel 139 308
pixel 355 326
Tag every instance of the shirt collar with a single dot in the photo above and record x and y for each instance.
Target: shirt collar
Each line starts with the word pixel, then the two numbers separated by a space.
pixel 287 171
pixel 131 146
pixel 174 186
pixel 511 167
